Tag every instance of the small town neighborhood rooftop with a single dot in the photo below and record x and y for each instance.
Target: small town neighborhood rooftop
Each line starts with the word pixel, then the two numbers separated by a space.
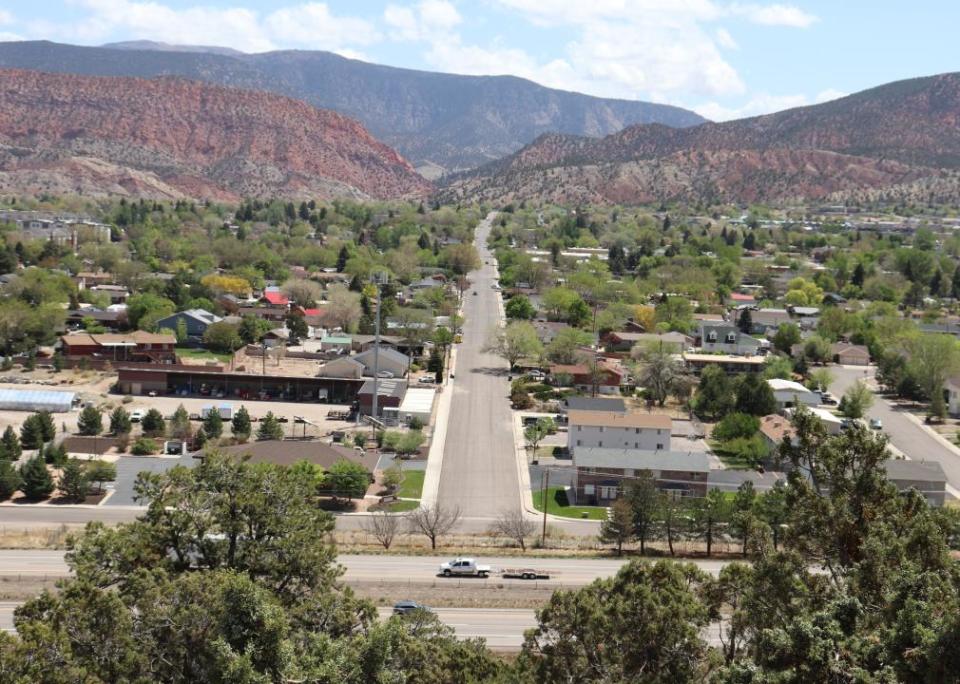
pixel 620 420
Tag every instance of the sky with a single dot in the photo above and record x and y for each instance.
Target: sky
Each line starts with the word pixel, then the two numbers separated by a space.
pixel 723 59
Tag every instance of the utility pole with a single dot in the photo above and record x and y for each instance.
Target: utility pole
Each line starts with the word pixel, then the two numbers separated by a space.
pixel 546 486
pixel 378 279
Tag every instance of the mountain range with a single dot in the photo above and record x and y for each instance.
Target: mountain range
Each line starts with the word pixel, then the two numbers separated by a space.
pixel 891 136
pixel 170 138
pixel 440 122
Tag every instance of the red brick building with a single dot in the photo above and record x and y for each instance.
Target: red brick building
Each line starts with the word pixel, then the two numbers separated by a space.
pixel 135 346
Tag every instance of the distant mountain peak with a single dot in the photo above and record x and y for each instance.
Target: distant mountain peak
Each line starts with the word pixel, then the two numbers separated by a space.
pixel 168 47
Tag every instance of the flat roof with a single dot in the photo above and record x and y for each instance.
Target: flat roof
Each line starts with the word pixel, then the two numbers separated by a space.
pixel 418 400
pixel 617 419
pixel 725 358
pixel 595 404
pixel 641 459
pixel 902 469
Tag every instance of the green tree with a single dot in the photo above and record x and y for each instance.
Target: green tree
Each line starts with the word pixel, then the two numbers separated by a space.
pixel 101 471
pixel 145 309
pixel 90 421
pixel 709 514
pixel 516 341
pixel 269 428
pixel 240 425
pixel 736 425
pixel 714 397
pixel 10 480
pixel 180 423
pixel 519 307
pixel 120 423
pixel 745 321
pixel 566 345
pixel 73 483
pixel 10 444
pixel 641 494
pixel 213 424
pixel 617 528
pixel 787 335
pixel 656 604
pixel 857 400
pixel 252 329
pixel 48 429
pixel 346 479
pixel 37 481
pixel 222 337
pixel 658 370
pixel 153 423
pixel 31 432
pixel 755 396
pixel 410 442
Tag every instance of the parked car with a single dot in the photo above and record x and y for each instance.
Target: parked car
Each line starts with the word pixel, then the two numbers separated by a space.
pixel 406 607
pixel 427 380
pixel 876 424
pixel 137 415
pixel 828 399
pixel 464 567
pixel 385 374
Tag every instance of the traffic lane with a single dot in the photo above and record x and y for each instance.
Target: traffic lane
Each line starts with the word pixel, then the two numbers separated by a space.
pixel 391 569
pixel 910 438
pixel 502 628
pixel 479 473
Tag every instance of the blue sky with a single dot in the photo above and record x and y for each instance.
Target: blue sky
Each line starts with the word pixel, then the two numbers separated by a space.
pixel 722 59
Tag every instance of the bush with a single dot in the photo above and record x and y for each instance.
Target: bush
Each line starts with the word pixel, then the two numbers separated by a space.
pixel 416 424
pixel 145 446
pixel 736 426
pixel 753 450
pixel 521 400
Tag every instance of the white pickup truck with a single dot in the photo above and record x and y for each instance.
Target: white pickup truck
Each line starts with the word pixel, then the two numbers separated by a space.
pixel 464 567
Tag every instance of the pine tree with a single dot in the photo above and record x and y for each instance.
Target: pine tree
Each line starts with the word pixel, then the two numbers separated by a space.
pixel 859 275
pixel 270 428
pixel 240 425
pixel 10 444
pixel 342 258
pixel 74 484
pixel 90 421
pixel 31 434
pixel 745 322
pixel 120 423
pixel 153 423
pixel 10 480
pixel 180 423
pixel 213 424
pixel 48 429
pixel 37 482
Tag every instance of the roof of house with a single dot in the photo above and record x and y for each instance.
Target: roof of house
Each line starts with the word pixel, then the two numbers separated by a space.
pixel 770 316
pixel 775 428
pixel 418 400
pixel 384 339
pixel 901 469
pixel 805 310
pixel 288 452
pixel 201 315
pixel 385 353
pixel 847 348
pixel 275 296
pixel 386 387
pixel 781 385
pixel 617 419
pixel 595 404
pixel 671 337
pixel 581 369
pixel 117 339
pixel 641 459
pixel 726 358
pixel 335 339
pixel 739 297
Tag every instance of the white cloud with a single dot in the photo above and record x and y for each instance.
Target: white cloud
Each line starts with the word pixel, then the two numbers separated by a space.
pixel 308 25
pixel 755 106
pixel 428 20
pixel 725 40
pixel 775 15
pixel 7 37
pixel 5 17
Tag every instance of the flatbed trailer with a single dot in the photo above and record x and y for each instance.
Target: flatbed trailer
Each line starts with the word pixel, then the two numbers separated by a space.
pixel 524 573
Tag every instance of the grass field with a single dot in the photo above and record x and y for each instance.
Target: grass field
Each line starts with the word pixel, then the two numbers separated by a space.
pixel 202 355
pixel 402 506
pixel 557 505
pixel 412 485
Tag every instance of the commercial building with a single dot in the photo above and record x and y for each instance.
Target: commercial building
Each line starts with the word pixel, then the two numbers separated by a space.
pixel 417 403
pixel 390 393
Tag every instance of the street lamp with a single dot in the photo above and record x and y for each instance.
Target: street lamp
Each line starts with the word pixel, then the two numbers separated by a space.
pixel 378 279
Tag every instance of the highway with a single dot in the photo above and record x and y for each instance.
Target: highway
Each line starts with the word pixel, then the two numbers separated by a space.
pixel 479 473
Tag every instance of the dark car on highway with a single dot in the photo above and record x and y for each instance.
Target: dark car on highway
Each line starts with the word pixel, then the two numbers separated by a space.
pixel 407 607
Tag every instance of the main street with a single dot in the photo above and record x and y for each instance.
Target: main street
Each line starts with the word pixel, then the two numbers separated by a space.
pixel 479 473
pixel 904 431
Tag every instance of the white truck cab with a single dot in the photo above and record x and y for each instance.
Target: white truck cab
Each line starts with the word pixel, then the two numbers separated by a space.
pixel 464 566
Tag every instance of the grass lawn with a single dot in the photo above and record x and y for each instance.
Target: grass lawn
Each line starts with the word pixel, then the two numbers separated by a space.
pixel 402 506
pixel 732 460
pixel 412 485
pixel 557 505
pixel 202 354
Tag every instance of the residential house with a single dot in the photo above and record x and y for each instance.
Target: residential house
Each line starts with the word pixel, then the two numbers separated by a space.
pixel 617 405
pixel 361 343
pixel 274 298
pixel 390 393
pixel 807 317
pixel 196 321
pixel 725 362
pixel 343 367
pixel 766 321
pixel 335 343
pixel 624 341
pixel 848 354
pixel 927 477
pixel 266 313
pixel 111 320
pixel 601 473
pixel 117 294
pixel 288 452
pixel 388 361
pixel 775 427
pixel 607 380
pixel 135 346
pixel 726 338
pixel 615 430
pixel 789 393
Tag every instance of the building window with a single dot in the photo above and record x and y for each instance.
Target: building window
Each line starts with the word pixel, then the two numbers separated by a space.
pixel 659 446
pixel 731 338
pixel 578 443
pixel 636 445
pixel 588 489
pixel 601 428
pixel 600 443
pixel 712 337
pixel 637 430
pixel 608 492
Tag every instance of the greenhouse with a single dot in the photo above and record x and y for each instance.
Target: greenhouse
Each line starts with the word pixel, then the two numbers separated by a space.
pixel 35 400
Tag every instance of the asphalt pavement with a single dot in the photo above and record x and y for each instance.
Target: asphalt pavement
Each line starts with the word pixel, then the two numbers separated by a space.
pixel 905 433
pixel 479 473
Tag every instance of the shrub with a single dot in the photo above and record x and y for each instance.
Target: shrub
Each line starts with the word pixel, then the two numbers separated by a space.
pixel 753 450
pixel 145 446
pixel 10 480
pixel 521 400
pixel 416 424
pixel 37 481
pixel 73 483
pixel 100 472
pixel 120 421
pixel 153 423
pixel 736 425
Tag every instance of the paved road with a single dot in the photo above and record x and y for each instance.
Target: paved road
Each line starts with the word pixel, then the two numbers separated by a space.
pixel 479 466
pixel 906 435
pixel 365 569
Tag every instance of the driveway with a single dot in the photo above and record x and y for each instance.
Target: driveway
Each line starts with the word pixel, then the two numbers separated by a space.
pixel 915 441
pixel 129 466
